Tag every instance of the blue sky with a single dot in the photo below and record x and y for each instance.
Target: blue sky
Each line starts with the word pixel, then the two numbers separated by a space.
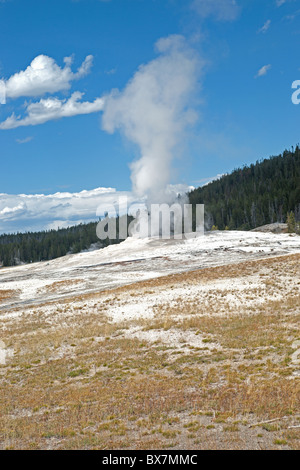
pixel 246 56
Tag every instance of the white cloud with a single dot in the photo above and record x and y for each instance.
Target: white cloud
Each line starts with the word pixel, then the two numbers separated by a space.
pixel 263 71
pixel 265 27
pixel 32 212
pixel 38 211
pixel 53 108
pixel 206 181
pixel 43 75
pixel 2 92
pixel 221 10
pixel 12 212
pixel 25 140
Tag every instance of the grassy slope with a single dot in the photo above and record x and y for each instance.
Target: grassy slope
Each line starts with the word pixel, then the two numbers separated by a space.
pixel 79 380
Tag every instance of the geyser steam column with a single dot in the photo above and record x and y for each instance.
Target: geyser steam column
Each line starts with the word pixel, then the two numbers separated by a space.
pixel 153 111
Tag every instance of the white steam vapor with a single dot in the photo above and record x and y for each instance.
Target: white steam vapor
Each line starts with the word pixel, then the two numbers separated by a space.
pixel 153 111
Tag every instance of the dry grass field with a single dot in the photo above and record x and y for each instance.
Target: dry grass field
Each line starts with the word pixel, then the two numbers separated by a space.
pixel 6 294
pixel 207 359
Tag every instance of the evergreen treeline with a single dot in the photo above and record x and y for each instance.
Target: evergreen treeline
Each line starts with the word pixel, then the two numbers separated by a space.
pixel 46 245
pixel 254 195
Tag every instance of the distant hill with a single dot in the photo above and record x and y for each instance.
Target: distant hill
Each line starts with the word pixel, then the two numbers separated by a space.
pixel 255 195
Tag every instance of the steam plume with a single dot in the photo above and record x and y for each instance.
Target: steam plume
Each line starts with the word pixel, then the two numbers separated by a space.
pixel 153 111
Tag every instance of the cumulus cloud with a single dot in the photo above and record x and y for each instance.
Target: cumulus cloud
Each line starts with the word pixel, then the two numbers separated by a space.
pixel 53 108
pixel 39 211
pixel 263 71
pixel 12 212
pixel 221 10
pixel 32 212
pixel 43 75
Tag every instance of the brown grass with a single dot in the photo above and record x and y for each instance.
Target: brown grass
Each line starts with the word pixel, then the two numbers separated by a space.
pixel 56 286
pixel 77 381
pixel 6 294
